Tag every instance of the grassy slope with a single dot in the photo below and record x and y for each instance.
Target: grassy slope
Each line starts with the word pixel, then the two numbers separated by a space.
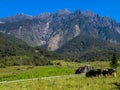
pixel 65 83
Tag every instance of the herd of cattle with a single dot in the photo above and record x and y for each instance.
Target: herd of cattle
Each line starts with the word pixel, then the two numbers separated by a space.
pixel 90 71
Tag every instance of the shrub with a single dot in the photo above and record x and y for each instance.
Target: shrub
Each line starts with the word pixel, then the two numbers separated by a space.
pixel 59 64
pixel 2 65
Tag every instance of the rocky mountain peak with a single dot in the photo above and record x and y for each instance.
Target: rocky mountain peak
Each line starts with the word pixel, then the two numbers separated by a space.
pixel 64 12
pixel 88 13
pixel 22 15
pixel 43 15
pixel 54 30
pixel 16 18
pixel 78 12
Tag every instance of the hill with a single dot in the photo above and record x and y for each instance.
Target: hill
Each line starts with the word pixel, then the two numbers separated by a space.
pixel 88 48
pixel 11 46
pixel 14 51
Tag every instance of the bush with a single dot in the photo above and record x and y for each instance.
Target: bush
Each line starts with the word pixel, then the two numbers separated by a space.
pixel 59 64
pixel 2 65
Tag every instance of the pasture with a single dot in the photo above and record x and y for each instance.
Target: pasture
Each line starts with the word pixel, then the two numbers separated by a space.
pixel 60 68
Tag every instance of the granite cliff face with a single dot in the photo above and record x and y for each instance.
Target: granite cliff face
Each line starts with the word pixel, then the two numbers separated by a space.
pixel 54 30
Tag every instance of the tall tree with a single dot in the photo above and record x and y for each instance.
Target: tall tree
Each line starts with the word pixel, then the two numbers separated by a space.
pixel 114 61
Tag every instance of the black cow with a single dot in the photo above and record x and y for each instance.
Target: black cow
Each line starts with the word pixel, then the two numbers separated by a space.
pixel 109 71
pixel 91 73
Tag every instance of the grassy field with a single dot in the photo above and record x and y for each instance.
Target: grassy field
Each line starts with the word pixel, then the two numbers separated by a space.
pixel 65 83
pixel 78 82
pixel 16 73
pixel 59 68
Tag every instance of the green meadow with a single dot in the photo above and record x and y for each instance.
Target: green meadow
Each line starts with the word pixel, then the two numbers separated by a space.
pixel 66 81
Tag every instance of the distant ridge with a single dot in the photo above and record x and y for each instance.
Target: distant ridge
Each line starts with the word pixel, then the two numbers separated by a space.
pixel 54 30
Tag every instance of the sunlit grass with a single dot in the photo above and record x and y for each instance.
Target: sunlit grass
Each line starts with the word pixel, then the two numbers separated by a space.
pixel 36 72
pixel 78 82
pixel 65 83
pixel 64 68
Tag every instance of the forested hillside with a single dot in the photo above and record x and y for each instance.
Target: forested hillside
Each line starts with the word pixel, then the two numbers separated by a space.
pixel 88 48
pixel 14 51
pixel 11 46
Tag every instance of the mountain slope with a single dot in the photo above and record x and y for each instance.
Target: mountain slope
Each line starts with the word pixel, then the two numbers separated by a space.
pixel 54 30
pixel 88 48
pixel 16 18
pixel 11 46
pixel 14 51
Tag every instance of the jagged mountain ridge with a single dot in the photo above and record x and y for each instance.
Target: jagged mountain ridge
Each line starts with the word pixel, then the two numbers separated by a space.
pixel 54 30
pixel 16 18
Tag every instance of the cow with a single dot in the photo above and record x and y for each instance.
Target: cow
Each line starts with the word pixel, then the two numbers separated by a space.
pixel 109 71
pixel 94 73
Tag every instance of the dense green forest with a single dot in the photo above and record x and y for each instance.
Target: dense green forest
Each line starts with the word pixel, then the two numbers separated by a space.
pixel 88 48
pixel 13 51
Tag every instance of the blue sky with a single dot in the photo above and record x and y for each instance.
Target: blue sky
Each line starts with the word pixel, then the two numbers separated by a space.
pixel 109 8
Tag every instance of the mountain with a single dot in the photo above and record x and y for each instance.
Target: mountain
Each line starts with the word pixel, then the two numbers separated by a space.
pixel 14 51
pixel 16 18
pixel 88 48
pixel 11 46
pixel 54 30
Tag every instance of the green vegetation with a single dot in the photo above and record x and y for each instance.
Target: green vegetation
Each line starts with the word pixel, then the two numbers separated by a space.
pixel 11 46
pixel 88 48
pixel 14 52
pixel 114 61
pixel 65 83
pixel 19 61
pixel 58 68
pixel 75 82
pixel 26 72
